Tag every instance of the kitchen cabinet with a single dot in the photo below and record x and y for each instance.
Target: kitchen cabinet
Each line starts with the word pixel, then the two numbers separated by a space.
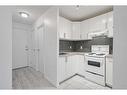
pixel 81 30
pixel 70 65
pixel 85 27
pixel 65 28
pixel 92 25
pixel 109 70
pixel 110 23
pixel 98 23
pixel 76 34
pixel 66 67
pixel 62 69
pixel 81 65
pixel 110 20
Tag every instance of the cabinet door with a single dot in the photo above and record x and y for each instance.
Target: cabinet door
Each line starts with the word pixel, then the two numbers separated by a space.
pixel 85 27
pixel 62 69
pixel 68 29
pixel 98 23
pixel 61 27
pixel 109 71
pixel 64 28
pixel 81 65
pixel 93 25
pixel 71 66
pixel 110 24
pixel 76 35
pixel 110 20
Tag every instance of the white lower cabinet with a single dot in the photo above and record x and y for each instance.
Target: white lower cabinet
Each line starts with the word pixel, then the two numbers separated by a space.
pixel 81 65
pixel 69 66
pixel 109 71
pixel 66 67
pixel 62 69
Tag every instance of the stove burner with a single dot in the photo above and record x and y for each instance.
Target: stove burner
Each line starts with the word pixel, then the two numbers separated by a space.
pixel 91 53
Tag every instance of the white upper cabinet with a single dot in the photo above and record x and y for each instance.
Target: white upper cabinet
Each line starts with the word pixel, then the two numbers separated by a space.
pixel 81 30
pixel 110 23
pixel 65 28
pixel 85 27
pixel 96 24
pixel 110 20
pixel 76 34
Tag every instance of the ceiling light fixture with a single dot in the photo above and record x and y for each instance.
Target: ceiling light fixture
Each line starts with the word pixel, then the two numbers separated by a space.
pixel 24 14
pixel 77 7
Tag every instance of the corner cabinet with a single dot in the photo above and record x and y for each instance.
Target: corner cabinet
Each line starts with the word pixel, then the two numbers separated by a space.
pixel 76 33
pixel 66 67
pixel 70 65
pixel 65 28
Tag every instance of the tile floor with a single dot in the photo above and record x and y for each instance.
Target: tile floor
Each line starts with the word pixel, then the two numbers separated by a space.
pixel 28 78
pixel 78 82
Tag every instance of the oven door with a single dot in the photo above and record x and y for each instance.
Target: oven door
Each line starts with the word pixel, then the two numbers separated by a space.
pixel 95 65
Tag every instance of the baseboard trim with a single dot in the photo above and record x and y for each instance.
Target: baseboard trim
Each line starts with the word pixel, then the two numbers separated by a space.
pixel 66 79
pixel 20 67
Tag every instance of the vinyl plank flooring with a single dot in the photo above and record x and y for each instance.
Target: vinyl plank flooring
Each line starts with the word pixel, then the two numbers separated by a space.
pixel 28 78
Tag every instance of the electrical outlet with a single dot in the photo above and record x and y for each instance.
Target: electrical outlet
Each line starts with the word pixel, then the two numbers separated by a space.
pixel 81 47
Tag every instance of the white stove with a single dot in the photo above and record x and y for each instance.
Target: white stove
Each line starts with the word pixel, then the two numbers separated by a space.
pixel 95 64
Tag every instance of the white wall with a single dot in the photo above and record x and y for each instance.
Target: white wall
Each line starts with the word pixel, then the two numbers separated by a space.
pixel 22 36
pixel 51 44
pixel 120 48
pixel 5 48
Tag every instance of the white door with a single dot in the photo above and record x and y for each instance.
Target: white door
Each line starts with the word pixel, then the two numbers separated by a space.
pixel 41 48
pixel 38 50
pixel 19 48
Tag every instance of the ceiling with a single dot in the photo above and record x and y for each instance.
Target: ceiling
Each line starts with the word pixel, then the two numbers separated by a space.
pixel 83 12
pixel 33 11
pixel 69 12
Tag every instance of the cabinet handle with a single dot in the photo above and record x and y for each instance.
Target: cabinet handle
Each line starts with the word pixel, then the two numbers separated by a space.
pixel 66 59
pixel 80 36
pixel 64 35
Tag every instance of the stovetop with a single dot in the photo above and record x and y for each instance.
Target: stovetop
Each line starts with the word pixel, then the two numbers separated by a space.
pixel 96 54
